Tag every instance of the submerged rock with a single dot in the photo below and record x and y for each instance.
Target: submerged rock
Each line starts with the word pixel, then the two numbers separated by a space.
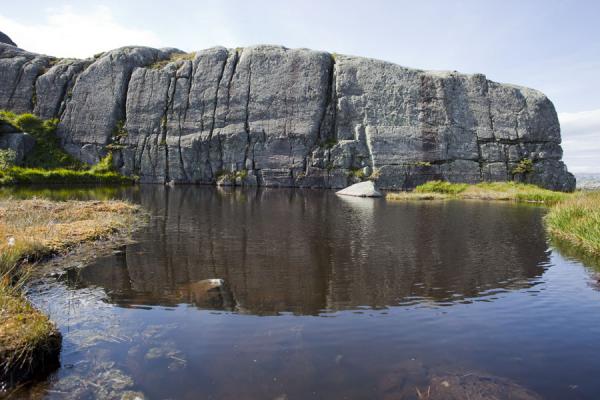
pixel 362 189
pixel 476 387
pixel 273 116
pixel 210 293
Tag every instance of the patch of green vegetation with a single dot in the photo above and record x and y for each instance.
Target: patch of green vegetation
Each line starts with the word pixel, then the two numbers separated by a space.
pixel 576 222
pixel 48 163
pixel 173 58
pixel 231 176
pixel 8 158
pixel 119 133
pixel 47 152
pixel 524 166
pixel 329 143
pixel 441 187
pixel 375 174
pixel 119 130
pixel 514 191
pixel 23 175
pixel 422 164
pixel 357 173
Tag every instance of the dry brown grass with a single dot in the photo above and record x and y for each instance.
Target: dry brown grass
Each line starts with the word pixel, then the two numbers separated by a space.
pixel 29 231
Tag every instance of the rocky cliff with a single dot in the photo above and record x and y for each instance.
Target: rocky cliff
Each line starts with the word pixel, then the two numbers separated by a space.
pixel 272 116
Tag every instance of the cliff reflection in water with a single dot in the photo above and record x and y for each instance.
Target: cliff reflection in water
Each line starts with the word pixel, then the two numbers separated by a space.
pixel 309 251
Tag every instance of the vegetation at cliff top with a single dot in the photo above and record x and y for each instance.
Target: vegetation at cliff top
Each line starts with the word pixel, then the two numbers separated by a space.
pixel 31 230
pixel 576 222
pixel 47 162
pixel 512 191
pixel 172 58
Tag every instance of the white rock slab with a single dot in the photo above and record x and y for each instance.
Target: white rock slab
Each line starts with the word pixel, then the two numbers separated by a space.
pixel 362 189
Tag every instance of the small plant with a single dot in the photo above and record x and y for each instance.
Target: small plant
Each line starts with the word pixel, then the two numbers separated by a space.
pixel 375 174
pixel 357 173
pixel 8 158
pixel 119 130
pixel 329 143
pixel 525 166
pixel 422 164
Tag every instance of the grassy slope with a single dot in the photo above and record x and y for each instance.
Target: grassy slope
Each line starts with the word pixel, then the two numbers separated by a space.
pixel 48 163
pixel 29 231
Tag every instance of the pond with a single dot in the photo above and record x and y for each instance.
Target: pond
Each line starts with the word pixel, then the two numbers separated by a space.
pixel 322 297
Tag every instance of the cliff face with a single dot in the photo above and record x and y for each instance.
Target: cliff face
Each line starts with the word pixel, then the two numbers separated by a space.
pixel 272 116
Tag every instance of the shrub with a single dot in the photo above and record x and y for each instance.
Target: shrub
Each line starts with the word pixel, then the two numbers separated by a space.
pixel 525 166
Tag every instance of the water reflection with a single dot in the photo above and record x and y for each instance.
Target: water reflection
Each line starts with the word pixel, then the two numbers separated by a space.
pixel 311 251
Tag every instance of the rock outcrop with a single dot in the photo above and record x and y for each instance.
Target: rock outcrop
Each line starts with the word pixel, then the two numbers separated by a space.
pixel 6 40
pixel 272 116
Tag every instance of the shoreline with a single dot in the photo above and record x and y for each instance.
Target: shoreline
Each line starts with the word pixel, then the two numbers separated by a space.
pixel 35 232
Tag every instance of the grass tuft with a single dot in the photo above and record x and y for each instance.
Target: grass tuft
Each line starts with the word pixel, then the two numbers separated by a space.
pixel 576 222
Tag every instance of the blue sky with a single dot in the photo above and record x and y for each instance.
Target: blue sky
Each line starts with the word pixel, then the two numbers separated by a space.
pixel 553 46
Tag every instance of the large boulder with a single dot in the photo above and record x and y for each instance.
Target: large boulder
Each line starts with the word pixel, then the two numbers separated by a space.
pixel 19 142
pixel 362 189
pixel 286 117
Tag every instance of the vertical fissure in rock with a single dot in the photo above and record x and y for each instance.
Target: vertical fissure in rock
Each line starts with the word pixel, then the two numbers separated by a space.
pixel 179 121
pixel 247 116
pixel 69 88
pixel 327 124
pixel 214 110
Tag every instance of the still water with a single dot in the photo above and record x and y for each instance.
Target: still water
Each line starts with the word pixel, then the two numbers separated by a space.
pixel 323 297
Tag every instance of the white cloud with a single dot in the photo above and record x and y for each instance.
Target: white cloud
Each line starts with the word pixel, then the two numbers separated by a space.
pixel 581 140
pixel 67 33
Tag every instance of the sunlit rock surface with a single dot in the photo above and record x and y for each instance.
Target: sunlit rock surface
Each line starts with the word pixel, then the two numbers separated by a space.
pixel 272 116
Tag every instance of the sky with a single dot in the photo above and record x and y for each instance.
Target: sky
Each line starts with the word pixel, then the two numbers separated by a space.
pixel 550 45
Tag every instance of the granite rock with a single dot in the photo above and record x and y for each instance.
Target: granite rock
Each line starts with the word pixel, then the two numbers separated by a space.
pixel 272 116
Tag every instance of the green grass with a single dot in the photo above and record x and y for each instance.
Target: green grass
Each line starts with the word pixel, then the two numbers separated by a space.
pixel 22 175
pixel 442 187
pixel 508 191
pixel 48 163
pixel 47 152
pixel 576 222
